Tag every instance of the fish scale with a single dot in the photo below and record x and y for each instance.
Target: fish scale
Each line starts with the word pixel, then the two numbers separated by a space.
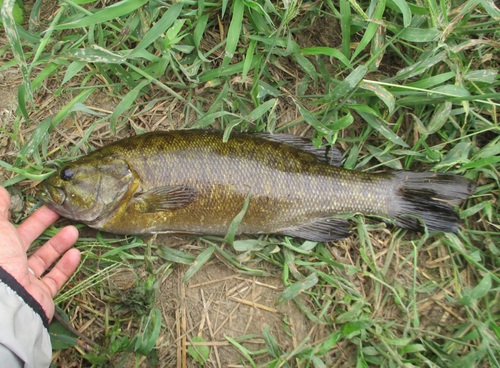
pixel 192 181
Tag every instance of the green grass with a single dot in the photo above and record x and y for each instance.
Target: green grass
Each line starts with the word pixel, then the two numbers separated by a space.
pixel 395 84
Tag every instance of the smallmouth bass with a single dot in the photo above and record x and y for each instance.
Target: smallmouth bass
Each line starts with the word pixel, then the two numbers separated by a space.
pixel 191 181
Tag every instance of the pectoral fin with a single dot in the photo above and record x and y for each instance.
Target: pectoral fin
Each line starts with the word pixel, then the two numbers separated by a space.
pixel 321 230
pixel 166 198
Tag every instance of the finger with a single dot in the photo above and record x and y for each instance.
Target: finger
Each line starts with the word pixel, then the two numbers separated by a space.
pixel 36 224
pixel 52 250
pixel 4 204
pixel 62 271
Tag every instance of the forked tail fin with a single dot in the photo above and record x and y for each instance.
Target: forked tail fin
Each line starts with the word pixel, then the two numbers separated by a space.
pixel 430 197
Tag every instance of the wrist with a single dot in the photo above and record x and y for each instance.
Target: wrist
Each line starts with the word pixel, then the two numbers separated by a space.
pixel 9 280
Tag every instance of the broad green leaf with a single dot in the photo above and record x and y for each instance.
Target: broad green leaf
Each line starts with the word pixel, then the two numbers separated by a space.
pixel 439 117
pixel 432 81
pixel 350 162
pixel 491 8
pixel 457 155
pixel 21 98
pixel 63 113
pixel 159 28
pixel 485 75
pixel 72 70
pixel 249 245
pixel 417 34
pixel 482 162
pixel 356 326
pixel 371 29
pixel 108 13
pixel 272 346
pixel 174 255
pixel 35 139
pixel 472 296
pixel 231 232
pixel 200 29
pixel 495 328
pixel 258 8
pixel 233 33
pixel 482 288
pixel 10 28
pixel 306 65
pixel 345 24
pixel 386 158
pixel 405 9
pixel 49 70
pixel 411 348
pixel 297 288
pixel 146 340
pixel 311 119
pixel 126 102
pixel 381 93
pixel 308 313
pixel 229 128
pixel 248 61
pixel 261 110
pixel 202 258
pixel 469 211
pixel 209 118
pixel 327 51
pixel 402 341
pixel 451 89
pixel 347 85
pixel 17 13
pixel 426 61
pixel 330 343
pixel 96 54
pixel 229 70
pixel 379 125
pixel 342 123
pixel 199 353
pixel 246 353
pixel 61 337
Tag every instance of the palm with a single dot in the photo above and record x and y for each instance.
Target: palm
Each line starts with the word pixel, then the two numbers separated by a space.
pixel 15 242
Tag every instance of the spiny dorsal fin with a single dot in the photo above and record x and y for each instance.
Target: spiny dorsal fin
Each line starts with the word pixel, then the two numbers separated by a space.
pixel 329 154
pixel 321 230
pixel 167 198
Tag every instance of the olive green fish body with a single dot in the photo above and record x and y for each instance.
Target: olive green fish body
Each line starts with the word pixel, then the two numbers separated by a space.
pixel 191 181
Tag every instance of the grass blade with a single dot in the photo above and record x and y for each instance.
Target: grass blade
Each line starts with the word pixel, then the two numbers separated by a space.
pixel 159 28
pixel 298 288
pixel 233 34
pixel 126 102
pixel 111 12
pixel 202 258
pixel 10 27
pixel 236 222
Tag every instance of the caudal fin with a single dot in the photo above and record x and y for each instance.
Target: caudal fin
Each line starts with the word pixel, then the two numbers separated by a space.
pixel 430 197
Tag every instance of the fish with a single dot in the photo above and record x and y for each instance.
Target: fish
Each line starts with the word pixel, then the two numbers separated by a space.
pixel 191 181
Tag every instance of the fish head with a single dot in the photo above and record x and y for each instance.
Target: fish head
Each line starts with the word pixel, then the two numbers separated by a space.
pixel 87 189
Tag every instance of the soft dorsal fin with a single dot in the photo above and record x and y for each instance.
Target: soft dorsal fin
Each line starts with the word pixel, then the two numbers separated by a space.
pixel 167 198
pixel 329 154
pixel 321 230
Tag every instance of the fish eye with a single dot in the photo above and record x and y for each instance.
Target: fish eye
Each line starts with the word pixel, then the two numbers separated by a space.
pixel 67 174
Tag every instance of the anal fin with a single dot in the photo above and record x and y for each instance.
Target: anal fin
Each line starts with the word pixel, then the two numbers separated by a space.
pixel 321 230
pixel 167 198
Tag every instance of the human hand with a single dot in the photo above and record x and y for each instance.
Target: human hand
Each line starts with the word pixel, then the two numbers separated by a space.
pixel 14 242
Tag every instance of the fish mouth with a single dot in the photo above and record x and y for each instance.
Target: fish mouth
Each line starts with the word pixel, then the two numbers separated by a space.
pixel 51 194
